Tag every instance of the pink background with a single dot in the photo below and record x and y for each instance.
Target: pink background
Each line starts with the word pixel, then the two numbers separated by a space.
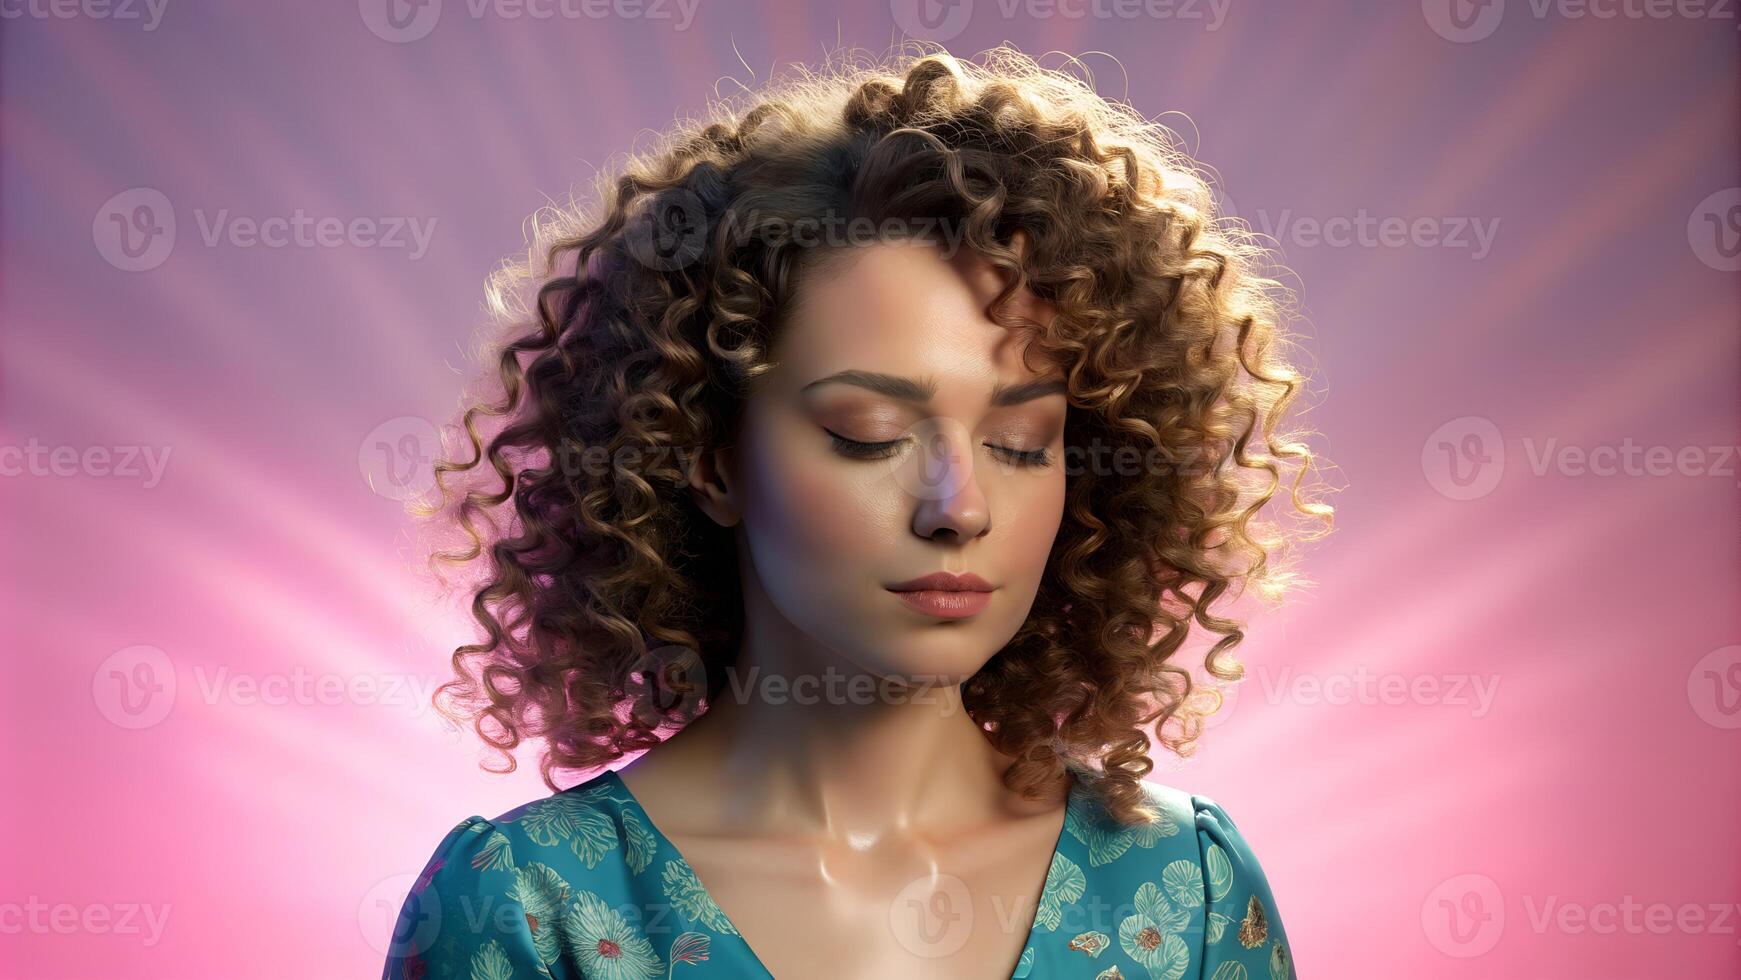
pixel 1426 833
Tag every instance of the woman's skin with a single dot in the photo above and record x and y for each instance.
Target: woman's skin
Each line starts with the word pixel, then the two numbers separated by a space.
pixel 865 831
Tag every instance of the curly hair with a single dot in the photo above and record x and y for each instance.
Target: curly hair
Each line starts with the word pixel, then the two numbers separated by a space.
pixel 1167 329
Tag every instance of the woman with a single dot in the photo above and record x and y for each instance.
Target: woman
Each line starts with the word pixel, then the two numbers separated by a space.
pixel 871 454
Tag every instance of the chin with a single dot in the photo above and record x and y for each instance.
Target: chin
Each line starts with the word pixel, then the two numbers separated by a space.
pixel 931 653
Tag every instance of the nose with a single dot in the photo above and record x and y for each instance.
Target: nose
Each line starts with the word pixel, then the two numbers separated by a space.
pixel 948 497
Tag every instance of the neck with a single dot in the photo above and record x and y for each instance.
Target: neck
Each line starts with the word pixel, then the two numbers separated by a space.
pixel 801 741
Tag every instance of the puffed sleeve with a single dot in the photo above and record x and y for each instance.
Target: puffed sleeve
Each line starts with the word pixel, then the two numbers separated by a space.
pixel 1243 938
pixel 464 918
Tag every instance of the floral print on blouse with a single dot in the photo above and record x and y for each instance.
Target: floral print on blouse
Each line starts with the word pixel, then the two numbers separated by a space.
pixel 552 890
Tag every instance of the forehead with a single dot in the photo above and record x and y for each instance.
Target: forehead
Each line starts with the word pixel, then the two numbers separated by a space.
pixel 909 309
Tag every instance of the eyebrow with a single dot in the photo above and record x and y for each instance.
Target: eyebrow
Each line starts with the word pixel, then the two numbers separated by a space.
pixel 922 390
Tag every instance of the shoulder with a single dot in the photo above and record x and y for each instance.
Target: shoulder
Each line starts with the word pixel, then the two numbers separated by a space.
pixel 1226 852
pixel 493 892
pixel 575 830
pixel 1242 931
pixel 1189 899
pixel 582 827
pixel 1222 850
pixel 578 827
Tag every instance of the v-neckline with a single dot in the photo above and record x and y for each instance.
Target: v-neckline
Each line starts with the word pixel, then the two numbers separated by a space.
pixel 744 942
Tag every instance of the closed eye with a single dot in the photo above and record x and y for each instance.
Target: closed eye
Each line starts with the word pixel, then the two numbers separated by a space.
pixel 856 449
pixel 863 450
pixel 1024 457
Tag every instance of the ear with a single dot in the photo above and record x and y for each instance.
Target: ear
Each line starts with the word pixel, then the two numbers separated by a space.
pixel 711 482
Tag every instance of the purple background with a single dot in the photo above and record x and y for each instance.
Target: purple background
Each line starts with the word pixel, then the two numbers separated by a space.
pixel 1422 834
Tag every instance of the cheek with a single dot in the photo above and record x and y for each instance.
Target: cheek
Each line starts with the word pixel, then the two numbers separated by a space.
pixel 805 504
pixel 1036 509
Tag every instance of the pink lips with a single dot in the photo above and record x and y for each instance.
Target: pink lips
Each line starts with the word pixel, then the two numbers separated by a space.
pixel 944 582
pixel 945 595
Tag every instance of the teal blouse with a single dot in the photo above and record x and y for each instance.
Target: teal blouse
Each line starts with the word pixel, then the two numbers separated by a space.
pixel 582 886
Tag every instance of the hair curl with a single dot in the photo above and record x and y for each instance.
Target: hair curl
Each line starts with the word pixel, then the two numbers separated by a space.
pixel 1166 327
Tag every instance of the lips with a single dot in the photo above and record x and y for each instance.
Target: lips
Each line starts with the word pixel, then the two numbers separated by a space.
pixel 944 582
pixel 944 595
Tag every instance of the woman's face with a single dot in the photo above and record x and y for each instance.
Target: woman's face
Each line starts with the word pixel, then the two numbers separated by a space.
pixel 900 435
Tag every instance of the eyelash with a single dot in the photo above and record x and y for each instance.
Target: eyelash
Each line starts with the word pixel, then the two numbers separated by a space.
pixel 854 449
